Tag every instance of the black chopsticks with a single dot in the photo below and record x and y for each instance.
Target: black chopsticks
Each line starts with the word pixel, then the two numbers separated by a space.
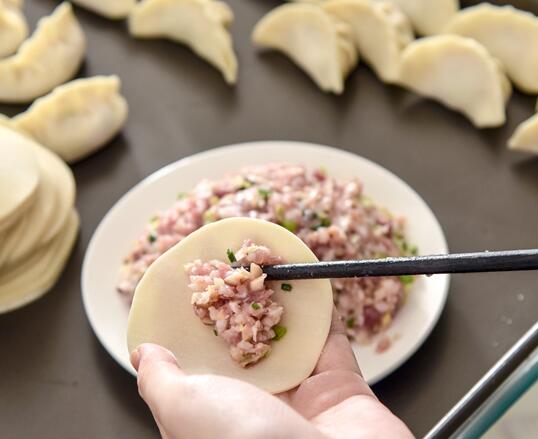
pixel 509 260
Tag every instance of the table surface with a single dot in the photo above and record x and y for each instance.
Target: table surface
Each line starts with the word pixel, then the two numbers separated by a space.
pixel 55 378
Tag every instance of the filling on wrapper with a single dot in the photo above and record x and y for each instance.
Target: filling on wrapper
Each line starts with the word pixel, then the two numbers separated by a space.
pixel 331 215
pixel 237 302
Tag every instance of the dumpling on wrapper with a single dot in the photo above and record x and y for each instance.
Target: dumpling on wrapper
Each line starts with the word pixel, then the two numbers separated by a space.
pixel 428 17
pixel 50 57
pixel 380 32
pixel 201 25
pixel 77 118
pixel 508 34
pixel 13 28
pixel 162 311
pixel 525 137
pixel 112 9
pixel 459 73
pixel 317 42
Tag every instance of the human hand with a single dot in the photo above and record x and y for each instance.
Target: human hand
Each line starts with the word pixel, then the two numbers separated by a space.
pixel 334 402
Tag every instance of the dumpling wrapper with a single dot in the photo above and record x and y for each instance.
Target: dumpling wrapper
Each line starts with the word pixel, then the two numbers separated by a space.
pixel 19 171
pixel 36 275
pixel 50 57
pixel 77 118
pixel 461 74
pixel 509 34
pixel 13 28
pixel 317 42
pixel 380 32
pixel 201 25
pixel 428 17
pixel 112 9
pixel 42 221
pixel 162 312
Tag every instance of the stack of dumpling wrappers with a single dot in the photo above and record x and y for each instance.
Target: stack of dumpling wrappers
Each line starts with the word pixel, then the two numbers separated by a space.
pixel 38 221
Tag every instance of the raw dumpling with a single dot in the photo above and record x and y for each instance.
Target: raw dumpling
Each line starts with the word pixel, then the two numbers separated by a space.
pixel 508 34
pixel 113 9
pixel 200 24
pixel 162 312
pixel 525 137
pixel 51 56
pixel 317 42
pixel 76 118
pixel 428 17
pixel 13 28
pixel 35 276
pixel 380 32
pixel 19 171
pixel 461 74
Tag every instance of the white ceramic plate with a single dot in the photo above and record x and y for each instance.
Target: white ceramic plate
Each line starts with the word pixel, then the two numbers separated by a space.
pixel 107 311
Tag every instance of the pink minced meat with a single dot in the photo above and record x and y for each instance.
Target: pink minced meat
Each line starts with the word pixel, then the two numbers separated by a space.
pixel 237 301
pixel 332 216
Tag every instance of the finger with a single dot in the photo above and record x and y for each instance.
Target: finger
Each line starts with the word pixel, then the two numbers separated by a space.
pixel 159 378
pixel 337 353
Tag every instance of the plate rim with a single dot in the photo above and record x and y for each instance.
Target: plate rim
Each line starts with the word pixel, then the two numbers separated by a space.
pixel 166 169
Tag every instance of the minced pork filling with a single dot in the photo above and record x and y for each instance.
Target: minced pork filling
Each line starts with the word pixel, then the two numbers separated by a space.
pixel 237 302
pixel 331 215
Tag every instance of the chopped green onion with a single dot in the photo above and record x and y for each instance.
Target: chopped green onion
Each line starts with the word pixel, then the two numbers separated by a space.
pixel 215 332
pixel 413 250
pixel 280 331
pixel 264 193
pixel 245 185
pixel 209 217
pixel 325 222
pixel 152 237
pixel 280 212
pixel 231 256
pixel 286 287
pixel 255 306
pixel 350 322
pixel 290 225
pixel 407 279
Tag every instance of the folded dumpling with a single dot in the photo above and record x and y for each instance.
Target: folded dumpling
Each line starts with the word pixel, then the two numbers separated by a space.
pixel 525 137
pixel 200 24
pixel 316 41
pixel 113 9
pixel 508 34
pixel 76 118
pixel 51 56
pixel 428 17
pixel 13 28
pixel 461 74
pixel 380 32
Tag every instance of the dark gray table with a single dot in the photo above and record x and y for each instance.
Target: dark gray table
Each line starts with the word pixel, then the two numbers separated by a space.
pixel 56 381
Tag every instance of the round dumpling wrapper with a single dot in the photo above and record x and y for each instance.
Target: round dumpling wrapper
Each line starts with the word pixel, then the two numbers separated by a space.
pixel 19 171
pixel 162 313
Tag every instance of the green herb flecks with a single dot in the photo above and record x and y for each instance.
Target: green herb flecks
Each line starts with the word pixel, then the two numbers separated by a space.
pixel 231 256
pixel 152 237
pixel 209 217
pixel 264 193
pixel 407 279
pixel 215 332
pixel 350 322
pixel 255 306
pixel 280 331
pixel 289 224
pixel 286 287
pixel 181 195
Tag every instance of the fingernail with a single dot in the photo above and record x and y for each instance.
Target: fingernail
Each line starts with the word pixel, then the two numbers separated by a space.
pixel 135 358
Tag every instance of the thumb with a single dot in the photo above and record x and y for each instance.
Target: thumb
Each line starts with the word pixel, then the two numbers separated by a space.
pixel 158 372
